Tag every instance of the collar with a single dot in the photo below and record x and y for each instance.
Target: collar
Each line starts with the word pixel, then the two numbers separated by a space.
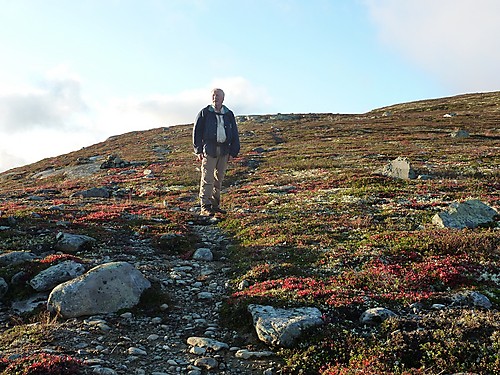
pixel 223 110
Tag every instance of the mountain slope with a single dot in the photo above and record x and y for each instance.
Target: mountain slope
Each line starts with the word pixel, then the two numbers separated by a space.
pixel 310 223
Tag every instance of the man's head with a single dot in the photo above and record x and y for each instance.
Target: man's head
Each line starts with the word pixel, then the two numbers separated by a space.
pixel 217 98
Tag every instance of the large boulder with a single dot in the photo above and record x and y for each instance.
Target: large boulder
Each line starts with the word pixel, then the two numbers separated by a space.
pixel 469 214
pixel 104 289
pixel 282 327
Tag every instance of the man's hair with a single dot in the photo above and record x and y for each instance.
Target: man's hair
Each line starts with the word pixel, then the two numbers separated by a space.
pixel 222 91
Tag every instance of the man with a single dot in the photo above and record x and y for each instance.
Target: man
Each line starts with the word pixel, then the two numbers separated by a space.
pixel 215 140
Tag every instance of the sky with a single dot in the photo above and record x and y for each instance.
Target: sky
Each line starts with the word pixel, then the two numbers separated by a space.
pixel 73 73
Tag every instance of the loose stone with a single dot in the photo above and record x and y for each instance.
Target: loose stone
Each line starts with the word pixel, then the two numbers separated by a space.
pixel 204 342
pixel 207 363
pixel 136 351
pixel 197 350
pixel 246 354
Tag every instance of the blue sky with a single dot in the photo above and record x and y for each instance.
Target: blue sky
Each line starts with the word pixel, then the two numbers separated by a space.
pixel 73 73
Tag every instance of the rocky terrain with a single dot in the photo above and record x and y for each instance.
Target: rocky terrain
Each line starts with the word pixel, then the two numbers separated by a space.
pixel 385 223
pixel 153 338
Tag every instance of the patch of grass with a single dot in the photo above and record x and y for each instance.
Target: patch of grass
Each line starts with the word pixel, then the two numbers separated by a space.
pixel 23 336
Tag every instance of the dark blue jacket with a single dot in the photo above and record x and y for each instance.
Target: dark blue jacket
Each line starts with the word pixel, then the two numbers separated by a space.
pixel 205 133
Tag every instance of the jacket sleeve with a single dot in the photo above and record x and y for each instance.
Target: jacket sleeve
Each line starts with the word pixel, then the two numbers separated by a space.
pixel 235 143
pixel 198 129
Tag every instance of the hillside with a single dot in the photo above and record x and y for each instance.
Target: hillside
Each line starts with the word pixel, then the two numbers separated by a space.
pixel 309 223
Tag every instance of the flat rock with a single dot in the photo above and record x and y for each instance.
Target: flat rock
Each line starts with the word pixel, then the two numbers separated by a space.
pixel 16 257
pixel 247 354
pixel 282 327
pixel 57 274
pixel 204 342
pixel 469 214
pixel 376 315
pixel 71 243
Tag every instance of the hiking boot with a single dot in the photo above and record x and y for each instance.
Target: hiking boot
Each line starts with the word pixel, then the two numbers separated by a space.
pixel 219 210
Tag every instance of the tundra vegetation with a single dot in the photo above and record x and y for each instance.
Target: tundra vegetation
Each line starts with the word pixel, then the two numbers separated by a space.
pixel 311 224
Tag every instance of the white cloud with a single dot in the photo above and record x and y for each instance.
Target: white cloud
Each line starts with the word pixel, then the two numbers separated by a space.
pixel 9 160
pixel 456 40
pixel 242 96
pixel 49 104
pixel 121 115
pixel 52 117
pixel 28 147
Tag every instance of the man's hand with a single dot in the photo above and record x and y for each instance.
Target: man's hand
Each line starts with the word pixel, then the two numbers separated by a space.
pixel 199 157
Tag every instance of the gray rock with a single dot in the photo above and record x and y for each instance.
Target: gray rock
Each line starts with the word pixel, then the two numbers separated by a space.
pixel 469 214
pixel 71 243
pixel 30 304
pixel 104 289
pixel 205 296
pixel 104 371
pixel 424 177
pixel 207 363
pixel 37 198
pixel 16 257
pixel 204 342
pixel 93 193
pixel 57 274
pixel 247 354
pixel 480 300
pixel 376 315
pixel 197 350
pixel 114 161
pixel 285 117
pixel 473 298
pixel 136 351
pixel 282 189
pixel 438 306
pixel 459 133
pixel 399 168
pixel 19 278
pixel 282 327
pixel 204 254
pixel 4 287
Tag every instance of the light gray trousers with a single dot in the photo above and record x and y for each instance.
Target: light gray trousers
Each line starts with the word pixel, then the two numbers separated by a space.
pixel 212 175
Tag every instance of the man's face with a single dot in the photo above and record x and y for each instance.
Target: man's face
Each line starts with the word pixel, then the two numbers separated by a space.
pixel 217 98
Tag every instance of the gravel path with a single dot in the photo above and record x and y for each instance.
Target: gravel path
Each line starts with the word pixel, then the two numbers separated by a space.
pixel 185 338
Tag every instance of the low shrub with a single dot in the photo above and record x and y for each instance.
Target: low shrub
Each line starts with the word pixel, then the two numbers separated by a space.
pixel 41 364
